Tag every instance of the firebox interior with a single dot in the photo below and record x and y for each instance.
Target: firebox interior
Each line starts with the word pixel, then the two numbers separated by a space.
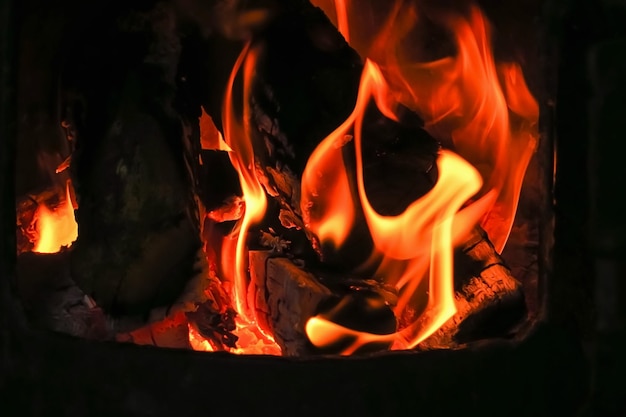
pixel 295 179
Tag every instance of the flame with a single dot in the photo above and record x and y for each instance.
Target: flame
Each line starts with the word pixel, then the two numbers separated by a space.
pixel 466 98
pixel 484 114
pixel 327 206
pixel 238 137
pixel 341 9
pixel 488 117
pixel 57 227
pixel 421 238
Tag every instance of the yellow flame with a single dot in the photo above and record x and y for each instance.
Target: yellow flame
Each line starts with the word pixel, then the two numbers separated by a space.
pixel 56 228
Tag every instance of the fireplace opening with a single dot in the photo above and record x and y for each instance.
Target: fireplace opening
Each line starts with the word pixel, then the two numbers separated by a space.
pixel 323 178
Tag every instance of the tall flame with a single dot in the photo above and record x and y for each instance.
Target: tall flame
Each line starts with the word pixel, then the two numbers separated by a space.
pixel 238 137
pixel 487 115
pixel 57 227
pixel 421 238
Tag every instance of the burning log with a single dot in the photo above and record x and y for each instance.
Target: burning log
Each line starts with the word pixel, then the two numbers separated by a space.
pixel 489 301
pixel 295 106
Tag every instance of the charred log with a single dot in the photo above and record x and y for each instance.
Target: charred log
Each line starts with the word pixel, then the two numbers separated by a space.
pixel 53 301
pixel 135 169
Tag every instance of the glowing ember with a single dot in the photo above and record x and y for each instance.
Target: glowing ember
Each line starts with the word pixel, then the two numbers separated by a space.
pixel 56 227
pixel 254 342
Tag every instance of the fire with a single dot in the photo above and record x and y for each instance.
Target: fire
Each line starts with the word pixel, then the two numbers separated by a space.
pixel 56 227
pixel 480 109
pixel 253 339
pixel 489 117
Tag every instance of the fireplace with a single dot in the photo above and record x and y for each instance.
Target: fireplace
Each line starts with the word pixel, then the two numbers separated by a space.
pixel 259 268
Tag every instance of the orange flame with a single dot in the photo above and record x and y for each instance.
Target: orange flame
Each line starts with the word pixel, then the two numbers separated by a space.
pixel 341 8
pixel 403 238
pixel 482 111
pixel 238 137
pixel 466 100
pixel 327 206
pixel 57 227
pixel 462 98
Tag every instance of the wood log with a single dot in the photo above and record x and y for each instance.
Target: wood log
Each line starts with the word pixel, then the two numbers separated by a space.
pixel 171 332
pixel 285 297
pixel 135 168
pixel 489 301
pixel 53 301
